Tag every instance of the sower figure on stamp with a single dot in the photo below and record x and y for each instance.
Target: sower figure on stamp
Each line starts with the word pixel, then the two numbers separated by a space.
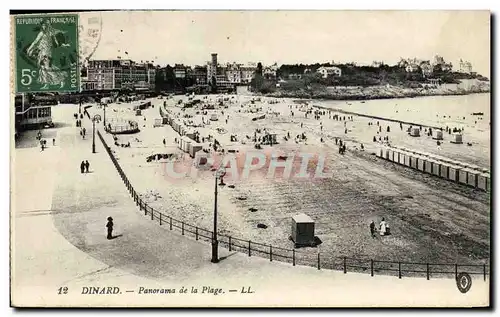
pixel 42 49
pixel 109 225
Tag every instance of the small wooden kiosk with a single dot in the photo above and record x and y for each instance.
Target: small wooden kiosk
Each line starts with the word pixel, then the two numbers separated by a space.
pixel 302 230
pixel 415 132
pixel 457 138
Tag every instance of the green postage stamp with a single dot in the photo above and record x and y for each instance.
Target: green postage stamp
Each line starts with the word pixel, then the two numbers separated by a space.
pixel 47 53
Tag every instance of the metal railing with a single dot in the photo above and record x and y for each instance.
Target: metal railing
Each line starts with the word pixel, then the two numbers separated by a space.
pixel 293 256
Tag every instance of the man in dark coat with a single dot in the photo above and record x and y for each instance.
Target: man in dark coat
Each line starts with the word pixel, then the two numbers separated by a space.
pixel 372 228
pixel 109 225
pixel 82 167
pixel 87 165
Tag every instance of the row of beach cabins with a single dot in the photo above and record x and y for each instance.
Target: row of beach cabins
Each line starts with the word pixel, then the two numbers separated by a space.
pixel 186 141
pixel 463 173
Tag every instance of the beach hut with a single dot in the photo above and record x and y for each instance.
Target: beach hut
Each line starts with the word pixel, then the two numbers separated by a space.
pixel 429 164
pixel 414 161
pixel 395 156
pixel 201 160
pixel 472 177
pixel 438 135
pixel 302 230
pixel 401 159
pixel 482 180
pixel 380 153
pixel 457 138
pixel 436 168
pixel 181 142
pixel 421 161
pixel 444 169
pixel 462 175
pixel 194 148
pixel 415 132
pixel 388 154
pixel 187 145
pixel 408 159
pixel 453 172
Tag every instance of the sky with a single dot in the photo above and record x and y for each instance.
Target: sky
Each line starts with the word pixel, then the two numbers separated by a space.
pixel 289 37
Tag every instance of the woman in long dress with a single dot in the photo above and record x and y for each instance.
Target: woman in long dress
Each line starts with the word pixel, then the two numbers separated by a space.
pixel 383 226
pixel 42 49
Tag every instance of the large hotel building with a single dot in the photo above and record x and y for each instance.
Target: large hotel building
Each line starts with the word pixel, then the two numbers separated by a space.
pixel 118 74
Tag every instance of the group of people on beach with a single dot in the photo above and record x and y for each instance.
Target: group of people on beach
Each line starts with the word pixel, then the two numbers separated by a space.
pixel 43 142
pixel 84 166
pixel 341 145
pixel 82 132
pixel 384 229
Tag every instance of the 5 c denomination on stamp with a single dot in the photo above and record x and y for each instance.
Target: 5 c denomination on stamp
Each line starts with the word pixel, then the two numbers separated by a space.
pixel 47 53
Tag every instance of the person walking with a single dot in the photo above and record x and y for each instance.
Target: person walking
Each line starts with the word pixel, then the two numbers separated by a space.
pixel 82 167
pixel 53 142
pixel 87 165
pixel 372 229
pixel 383 227
pixel 109 226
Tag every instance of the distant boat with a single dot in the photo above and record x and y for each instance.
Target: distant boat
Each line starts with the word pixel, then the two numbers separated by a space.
pixel 362 102
pixel 477 114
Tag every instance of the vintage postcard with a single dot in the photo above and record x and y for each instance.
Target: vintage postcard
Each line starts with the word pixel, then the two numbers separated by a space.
pixel 250 159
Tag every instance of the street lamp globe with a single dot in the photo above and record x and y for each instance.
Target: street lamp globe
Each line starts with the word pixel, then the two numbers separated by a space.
pixel 220 173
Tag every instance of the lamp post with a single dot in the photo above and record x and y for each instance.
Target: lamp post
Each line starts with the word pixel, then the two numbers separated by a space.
pixel 80 105
pixel 215 243
pixel 94 119
pixel 104 107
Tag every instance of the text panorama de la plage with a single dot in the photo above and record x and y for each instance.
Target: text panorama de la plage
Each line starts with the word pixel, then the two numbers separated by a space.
pixel 152 291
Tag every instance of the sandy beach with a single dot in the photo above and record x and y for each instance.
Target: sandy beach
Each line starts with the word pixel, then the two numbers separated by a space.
pixel 431 219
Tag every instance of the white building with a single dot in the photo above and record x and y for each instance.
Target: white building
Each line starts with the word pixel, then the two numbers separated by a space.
pixel 270 71
pixel 427 68
pixel 247 72
pixel 411 68
pixel 233 73
pixel 329 71
pixel 465 67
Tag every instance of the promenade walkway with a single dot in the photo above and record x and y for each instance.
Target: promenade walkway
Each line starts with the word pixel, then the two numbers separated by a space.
pixel 59 240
